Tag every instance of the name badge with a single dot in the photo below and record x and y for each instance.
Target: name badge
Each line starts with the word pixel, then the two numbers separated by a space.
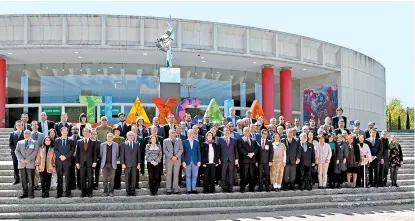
pixel 118 162
pixel 266 147
pixel 31 146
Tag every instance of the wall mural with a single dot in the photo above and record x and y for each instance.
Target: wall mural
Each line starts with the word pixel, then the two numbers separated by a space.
pixel 181 108
pixel 319 103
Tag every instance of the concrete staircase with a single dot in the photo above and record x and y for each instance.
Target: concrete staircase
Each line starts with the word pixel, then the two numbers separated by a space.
pixel 162 205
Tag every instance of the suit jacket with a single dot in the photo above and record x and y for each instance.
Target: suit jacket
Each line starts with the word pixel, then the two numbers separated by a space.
pixel 293 151
pixel 228 152
pixel 229 119
pixel 166 129
pixel 339 131
pixel 265 155
pixel 244 148
pixel 124 130
pixel 46 160
pixel 67 150
pixel 89 156
pixel 59 125
pixel 170 151
pixel 27 153
pixel 307 157
pixel 376 149
pixel 115 154
pixel 207 127
pixel 335 121
pixel 14 138
pixel 144 132
pixel 27 127
pixel 50 124
pixel 187 125
pixel 40 137
pixel 130 156
pixel 367 134
pixel 191 154
pixel 205 153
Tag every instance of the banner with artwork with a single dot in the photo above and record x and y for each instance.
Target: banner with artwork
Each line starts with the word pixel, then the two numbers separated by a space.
pixel 320 102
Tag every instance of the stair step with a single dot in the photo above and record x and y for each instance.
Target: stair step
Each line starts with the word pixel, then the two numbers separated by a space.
pixel 196 211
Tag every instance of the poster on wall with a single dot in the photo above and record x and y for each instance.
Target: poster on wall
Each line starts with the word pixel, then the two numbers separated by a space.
pixel 320 102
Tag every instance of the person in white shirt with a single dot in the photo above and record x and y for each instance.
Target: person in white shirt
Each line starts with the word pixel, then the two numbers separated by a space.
pixel 323 156
pixel 210 160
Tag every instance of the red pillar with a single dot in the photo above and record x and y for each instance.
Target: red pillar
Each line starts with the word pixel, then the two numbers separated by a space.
pixel 268 90
pixel 2 93
pixel 286 93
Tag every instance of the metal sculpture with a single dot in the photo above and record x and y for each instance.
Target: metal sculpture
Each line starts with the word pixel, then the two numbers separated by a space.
pixel 164 42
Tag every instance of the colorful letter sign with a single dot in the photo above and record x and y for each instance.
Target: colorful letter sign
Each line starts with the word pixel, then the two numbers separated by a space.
pixel 181 108
pixel 90 102
pixel 257 111
pixel 164 108
pixel 226 105
pixel 213 111
pixel 137 110
pixel 109 109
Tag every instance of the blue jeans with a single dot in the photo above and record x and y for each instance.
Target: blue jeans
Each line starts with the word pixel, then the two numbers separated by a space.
pixel 191 176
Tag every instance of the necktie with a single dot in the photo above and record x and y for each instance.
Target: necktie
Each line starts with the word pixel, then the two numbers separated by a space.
pixel 18 134
pixel 249 142
pixel 64 142
pixel 85 145
pixel 373 141
pixel 227 142
pixel 172 143
pixel 263 144
pixel 35 136
pixel 131 144
pixel 26 144
pixel 24 127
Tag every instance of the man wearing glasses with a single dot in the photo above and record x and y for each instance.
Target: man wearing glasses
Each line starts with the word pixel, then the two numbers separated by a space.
pixel 103 130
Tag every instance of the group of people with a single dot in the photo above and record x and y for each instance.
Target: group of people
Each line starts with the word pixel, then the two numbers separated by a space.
pixel 279 156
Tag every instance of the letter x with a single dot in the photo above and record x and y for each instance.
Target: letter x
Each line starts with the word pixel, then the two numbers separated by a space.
pixel 165 109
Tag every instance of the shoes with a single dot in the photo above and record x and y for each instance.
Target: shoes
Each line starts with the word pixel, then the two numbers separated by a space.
pixel 105 194
pixel 277 189
pixel 177 193
pixel 137 187
pixel 111 194
pixel 47 195
pixel 90 195
pixel 58 196
pixel 16 182
pixel 133 194
pixel 68 195
pixel 36 188
pixel 194 192
pixel 188 192
pixel 23 196
pixel 43 195
pixel 242 190
pixel 32 196
pixel 168 193
pixel 83 195
pixel 95 188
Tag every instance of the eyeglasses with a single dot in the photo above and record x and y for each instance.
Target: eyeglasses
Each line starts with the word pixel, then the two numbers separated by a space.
pixel 104 120
pixel 200 122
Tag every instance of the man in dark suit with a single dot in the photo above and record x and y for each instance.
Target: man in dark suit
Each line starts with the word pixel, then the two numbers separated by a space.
pixel 25 121
pixel 337 118
pixel 307 161
pixel 188 121
pixel 130 161
pixel 169 125
pixel 64 149
pixel 229 158
pixel 63 123
pixel 371 126
pixel 376 149
pixel 122 126
pixel 341 127
pixel 202 131
pixel 86 160
pixel 74 181
pixel 293 154
pixel 264 160
pixel 44 124
pixel 15 137
pixel 248 149
pixel 207 125
pixel 384 167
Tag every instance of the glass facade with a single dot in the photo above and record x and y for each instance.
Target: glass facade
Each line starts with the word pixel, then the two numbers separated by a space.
pixel 35 88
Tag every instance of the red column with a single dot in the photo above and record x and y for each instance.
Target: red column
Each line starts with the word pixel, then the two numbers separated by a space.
pixel 286 93
pixel 268 90
pixel 2 93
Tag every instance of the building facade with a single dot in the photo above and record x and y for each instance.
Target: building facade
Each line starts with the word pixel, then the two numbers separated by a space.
pixel 48 61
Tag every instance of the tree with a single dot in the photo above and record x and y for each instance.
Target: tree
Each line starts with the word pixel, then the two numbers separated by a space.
pixel 399 123
pixel 408 121
pixel 395 110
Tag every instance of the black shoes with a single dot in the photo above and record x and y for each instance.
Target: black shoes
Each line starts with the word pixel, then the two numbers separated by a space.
pixel 16 182
pixel 58 196
pixel 23 196
pixel 68 195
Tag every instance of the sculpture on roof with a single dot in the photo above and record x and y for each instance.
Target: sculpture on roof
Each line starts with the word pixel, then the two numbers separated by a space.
pixel 164 42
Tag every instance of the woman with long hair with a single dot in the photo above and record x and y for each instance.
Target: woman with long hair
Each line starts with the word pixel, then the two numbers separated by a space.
pixel 210 160
pixel 45 165
pixel 153 155
pixel 54 182
pixel 395 160
pixel 279 161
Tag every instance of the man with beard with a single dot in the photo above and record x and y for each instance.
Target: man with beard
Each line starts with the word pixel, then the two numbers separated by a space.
pixel 124 127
